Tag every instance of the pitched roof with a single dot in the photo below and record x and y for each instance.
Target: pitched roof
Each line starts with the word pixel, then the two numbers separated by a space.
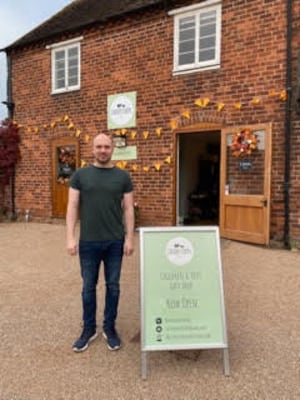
pixel 80 14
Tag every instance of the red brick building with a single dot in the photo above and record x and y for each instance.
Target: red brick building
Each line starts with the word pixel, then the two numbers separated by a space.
pixel 184 82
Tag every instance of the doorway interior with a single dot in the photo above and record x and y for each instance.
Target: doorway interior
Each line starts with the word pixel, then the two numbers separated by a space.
pixel 198 178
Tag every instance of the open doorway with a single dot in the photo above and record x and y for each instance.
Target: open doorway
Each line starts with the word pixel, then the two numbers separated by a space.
pixel 198 178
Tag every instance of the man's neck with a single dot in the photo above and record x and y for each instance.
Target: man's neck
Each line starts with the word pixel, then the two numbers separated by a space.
pixel 103 165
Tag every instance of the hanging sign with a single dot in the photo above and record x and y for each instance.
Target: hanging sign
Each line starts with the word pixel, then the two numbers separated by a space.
pixel 182 290
pixel 121 110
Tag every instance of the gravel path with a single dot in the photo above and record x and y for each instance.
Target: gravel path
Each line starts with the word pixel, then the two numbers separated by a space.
pixel 40 313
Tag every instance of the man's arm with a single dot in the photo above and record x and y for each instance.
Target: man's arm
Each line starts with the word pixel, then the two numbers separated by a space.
pixel 71 219
pixel 129 223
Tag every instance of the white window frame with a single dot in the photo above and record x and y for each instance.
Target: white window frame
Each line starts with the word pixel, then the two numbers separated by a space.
pixel 65 47
pixel 195 11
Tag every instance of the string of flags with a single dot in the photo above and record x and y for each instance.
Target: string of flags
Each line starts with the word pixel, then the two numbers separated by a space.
pixel 174 123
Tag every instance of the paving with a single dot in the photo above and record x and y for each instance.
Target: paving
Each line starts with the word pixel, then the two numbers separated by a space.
pixel 40 317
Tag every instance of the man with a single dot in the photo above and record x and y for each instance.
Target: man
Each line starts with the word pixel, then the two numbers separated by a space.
pixel 102 196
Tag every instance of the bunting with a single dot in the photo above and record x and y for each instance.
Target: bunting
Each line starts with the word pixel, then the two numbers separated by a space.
pixel 202 102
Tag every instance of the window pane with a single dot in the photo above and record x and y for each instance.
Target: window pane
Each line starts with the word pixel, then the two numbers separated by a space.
pixel 186 59
pixel 207 36
pixel 60 83
pixel 73 66
pixel 73 52
pixel 59 69
pixel 208 30
pixel 186 49
pixel 206 55
pixel 59 55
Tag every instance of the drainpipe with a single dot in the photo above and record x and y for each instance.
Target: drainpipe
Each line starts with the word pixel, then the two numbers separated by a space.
pixel 10 111
pixel 288 112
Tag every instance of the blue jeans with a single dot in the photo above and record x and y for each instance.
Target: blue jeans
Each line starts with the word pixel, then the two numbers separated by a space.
pixel 91 253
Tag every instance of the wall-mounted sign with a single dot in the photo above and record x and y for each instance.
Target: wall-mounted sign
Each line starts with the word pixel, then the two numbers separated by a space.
pixel 245 165
pixel 125 153
pixel 121 110
pixel 182 290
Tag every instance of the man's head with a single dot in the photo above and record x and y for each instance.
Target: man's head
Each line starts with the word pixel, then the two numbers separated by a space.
pixel 102 150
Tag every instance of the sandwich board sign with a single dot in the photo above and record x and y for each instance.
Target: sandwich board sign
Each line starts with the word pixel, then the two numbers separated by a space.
pixel 182 296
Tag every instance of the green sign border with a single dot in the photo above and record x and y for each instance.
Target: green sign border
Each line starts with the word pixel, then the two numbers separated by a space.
pixel 182 297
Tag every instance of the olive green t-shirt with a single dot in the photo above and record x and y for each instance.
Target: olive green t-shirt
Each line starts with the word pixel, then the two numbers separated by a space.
pixel 101 195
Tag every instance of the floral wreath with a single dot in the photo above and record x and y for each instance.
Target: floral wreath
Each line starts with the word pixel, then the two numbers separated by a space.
pixel 243 143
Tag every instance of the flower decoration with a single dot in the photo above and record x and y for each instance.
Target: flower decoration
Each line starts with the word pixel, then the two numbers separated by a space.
pixel 243 143
pixel 66 164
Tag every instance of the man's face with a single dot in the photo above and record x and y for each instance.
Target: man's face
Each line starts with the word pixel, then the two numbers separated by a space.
pixel 102 149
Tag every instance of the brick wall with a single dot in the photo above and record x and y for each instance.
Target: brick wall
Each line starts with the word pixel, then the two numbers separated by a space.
pixel 136 54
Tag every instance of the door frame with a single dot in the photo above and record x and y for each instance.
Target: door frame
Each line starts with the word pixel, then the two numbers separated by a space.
pixel 195 128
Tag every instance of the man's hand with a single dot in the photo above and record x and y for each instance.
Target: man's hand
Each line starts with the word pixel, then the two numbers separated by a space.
pixel 72 247
pixel 128 246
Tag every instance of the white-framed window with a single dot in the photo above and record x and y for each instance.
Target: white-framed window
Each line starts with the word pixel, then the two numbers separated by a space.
pixel 197 36
pixel 65 66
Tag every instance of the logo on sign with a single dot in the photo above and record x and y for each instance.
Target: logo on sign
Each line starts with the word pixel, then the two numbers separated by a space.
pixel 179 251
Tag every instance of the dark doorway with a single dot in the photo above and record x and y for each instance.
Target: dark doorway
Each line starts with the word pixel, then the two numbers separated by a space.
pixel 198 178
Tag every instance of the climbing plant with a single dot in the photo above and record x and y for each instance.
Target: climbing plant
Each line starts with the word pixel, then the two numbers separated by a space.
pixel 9 155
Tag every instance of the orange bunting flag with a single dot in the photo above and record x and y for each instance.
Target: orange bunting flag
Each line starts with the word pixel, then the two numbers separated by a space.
pixel 45 126
pixel 158 131
pixel 123 131
pixel 36 130
pixel 146 169
pixel 157 166
pixel 134 167
pixel 53 124
pixel 168 160
pixel 255 101
pixel 86 138
pixel 121 164
pixel 237 106
pixel 173 124
pixel 146 134
pixel 220 106
pixel 202 102
pixel 66 117
pixel 71 125
pixel 283 95
pixel 133 134
pixel 118 132
pixel 186 114
pixel 273 93
pixel 82 164
pixel 28 130
pixel 78 132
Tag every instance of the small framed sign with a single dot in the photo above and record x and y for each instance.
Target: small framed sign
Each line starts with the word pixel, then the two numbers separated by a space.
pixel 245 165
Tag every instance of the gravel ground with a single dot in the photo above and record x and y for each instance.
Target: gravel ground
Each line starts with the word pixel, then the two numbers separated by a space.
pixel 40 313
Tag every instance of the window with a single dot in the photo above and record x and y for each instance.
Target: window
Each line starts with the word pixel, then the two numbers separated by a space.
pixel 197 31
pixel 65 63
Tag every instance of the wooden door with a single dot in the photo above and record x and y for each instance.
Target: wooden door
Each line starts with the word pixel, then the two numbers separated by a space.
pixel 245 185
pixel 65 160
